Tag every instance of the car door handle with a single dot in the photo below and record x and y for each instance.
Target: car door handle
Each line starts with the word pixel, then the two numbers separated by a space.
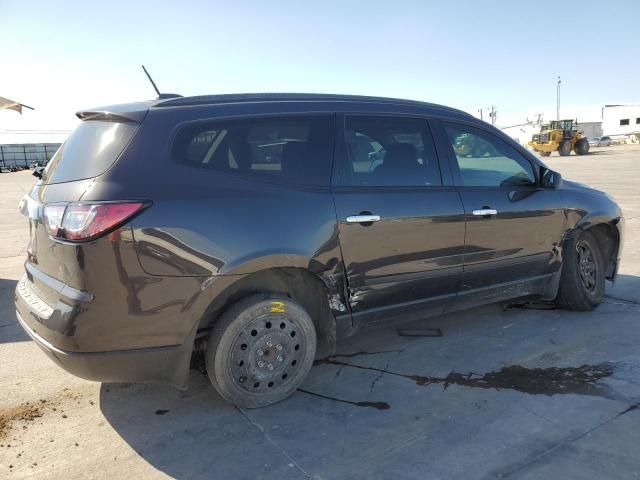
pixel 483 212
pixel 363 218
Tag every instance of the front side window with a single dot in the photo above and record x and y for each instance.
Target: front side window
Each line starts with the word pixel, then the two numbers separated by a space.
pixel 485 160
pixel 292 150
pixel 386 151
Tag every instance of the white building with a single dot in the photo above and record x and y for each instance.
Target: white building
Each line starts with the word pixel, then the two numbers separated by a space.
pixel 619 120
pixel 590 129
pixel 521 133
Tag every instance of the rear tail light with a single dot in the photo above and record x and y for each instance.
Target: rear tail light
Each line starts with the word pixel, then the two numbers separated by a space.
pixel 86 221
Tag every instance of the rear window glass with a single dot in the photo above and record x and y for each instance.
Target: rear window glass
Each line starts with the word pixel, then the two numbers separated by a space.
pixel 89 151
pixel 292 150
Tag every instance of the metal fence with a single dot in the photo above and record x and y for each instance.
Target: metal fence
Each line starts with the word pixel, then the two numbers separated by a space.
pixel 25 155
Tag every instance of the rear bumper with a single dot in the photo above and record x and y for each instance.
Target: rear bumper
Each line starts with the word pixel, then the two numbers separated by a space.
pixel 168 364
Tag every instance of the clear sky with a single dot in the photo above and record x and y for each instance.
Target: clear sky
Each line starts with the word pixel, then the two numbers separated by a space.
pixel 64 56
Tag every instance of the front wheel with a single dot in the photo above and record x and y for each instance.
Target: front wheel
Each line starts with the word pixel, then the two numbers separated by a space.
pixel 544 154
pixel 260 351
pixel 582 146
pixel 564 148
pixel 582 281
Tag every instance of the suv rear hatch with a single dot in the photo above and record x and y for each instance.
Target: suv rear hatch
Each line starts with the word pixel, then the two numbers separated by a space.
pixel 93 147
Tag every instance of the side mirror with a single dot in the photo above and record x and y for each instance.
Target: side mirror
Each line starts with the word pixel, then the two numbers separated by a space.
pixel 549 178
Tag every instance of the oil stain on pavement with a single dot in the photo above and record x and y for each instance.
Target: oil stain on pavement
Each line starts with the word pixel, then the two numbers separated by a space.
pixel 582 380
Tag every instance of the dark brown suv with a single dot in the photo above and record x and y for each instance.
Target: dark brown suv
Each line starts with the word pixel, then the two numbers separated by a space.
pixel 262 228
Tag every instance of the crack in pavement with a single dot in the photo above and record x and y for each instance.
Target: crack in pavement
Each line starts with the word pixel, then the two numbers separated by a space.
pixel 626 301
pixel 381 374
pixel 376 405
pixel 373 384
pixel 272 442
pixel 324 360
pixel 574 438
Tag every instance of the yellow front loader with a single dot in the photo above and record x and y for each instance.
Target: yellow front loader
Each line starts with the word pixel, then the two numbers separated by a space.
pixel 560 136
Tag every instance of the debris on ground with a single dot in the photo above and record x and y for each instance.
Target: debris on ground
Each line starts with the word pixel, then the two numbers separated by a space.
pixel 419 332
pixel 25 412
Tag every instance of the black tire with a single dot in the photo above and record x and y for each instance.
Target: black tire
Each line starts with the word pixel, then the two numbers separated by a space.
pixel 582 146
pixel 253 336
pixel 544 154
pixel 564 148
pixel 579 289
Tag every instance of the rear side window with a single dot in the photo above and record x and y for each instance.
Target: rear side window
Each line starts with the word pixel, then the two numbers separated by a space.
pixel 384 151
pixel 291 150
pixel 89 151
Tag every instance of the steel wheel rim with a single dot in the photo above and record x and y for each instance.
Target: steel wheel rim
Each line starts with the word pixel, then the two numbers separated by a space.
pixel 266 355
pixel 587 266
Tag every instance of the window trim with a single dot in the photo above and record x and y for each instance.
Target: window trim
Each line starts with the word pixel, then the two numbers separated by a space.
pixel 331 115
pixel 341 157
pixel 453 161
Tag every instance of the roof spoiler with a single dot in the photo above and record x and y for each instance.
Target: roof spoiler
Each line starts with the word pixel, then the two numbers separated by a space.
pixel 114 115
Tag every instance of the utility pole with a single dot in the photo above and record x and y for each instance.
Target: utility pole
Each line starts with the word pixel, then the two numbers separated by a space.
pixel 558 99
pixel 493 114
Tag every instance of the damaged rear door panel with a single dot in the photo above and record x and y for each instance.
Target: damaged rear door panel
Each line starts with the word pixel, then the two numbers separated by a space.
pixel 401 229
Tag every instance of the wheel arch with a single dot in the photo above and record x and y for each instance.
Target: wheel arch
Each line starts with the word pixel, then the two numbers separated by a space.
pixel 319 294
pixel 608 234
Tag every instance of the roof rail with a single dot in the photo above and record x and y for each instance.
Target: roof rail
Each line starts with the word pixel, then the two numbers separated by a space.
pixel 283 97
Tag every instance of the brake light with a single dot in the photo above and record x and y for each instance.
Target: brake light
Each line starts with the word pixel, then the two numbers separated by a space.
pixel 86 221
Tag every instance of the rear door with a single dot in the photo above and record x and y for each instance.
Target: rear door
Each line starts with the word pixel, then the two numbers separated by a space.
pixel 401 223
pixel 514 226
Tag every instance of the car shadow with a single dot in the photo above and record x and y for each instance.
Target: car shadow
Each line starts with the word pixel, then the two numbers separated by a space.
pixel 10 329
pixel 625 288
pixel 195 434
pixel 190 434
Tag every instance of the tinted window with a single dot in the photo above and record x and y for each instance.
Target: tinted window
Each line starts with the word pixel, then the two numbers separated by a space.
pixel 388 151
pixel 487 161
pixel 281 149
pixel 89 151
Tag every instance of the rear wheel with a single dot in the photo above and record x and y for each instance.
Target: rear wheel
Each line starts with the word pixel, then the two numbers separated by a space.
pixel 260 351
pixel 582 146
pixel 582 281
pixel 564 148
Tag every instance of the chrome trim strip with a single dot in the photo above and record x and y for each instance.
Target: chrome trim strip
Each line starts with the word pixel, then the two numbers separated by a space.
pixel 363 218
pixel 485 211
pixel 57 285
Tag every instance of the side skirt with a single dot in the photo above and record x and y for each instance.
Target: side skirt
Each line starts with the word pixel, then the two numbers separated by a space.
pixel 544 286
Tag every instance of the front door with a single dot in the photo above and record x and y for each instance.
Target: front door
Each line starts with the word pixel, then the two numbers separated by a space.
pixel 401 226
pixel 514 226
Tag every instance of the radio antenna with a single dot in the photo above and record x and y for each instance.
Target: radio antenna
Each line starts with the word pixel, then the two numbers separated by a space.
pixel 151 80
